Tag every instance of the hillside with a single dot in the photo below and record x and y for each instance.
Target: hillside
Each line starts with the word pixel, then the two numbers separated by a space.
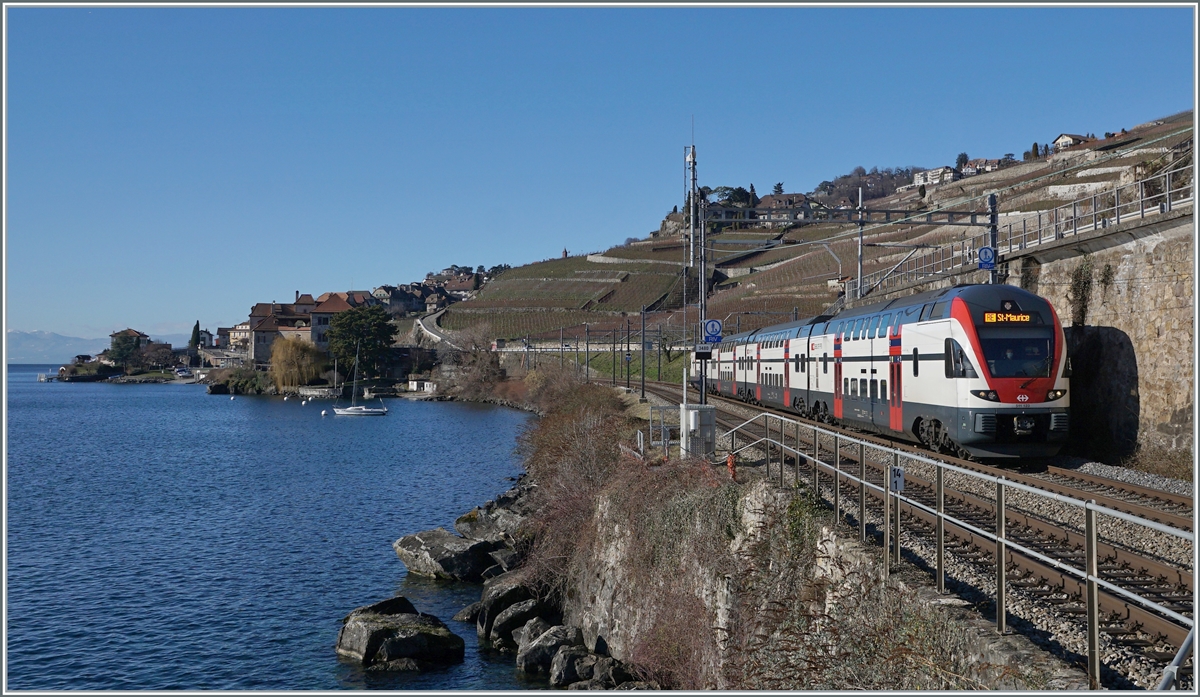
pixel 763 276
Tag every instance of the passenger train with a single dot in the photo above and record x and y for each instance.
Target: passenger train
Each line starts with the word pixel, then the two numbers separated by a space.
pixel 973 370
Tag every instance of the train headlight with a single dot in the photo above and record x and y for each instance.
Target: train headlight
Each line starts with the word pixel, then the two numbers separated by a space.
pixel 989 395
pixel 1054 394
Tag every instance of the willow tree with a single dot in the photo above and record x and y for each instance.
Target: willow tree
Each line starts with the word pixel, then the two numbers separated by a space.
pixel 295 362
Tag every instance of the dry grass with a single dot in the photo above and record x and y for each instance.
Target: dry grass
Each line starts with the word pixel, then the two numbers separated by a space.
pixel 1176 464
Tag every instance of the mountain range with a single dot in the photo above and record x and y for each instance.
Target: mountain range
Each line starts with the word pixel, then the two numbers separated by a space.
pixel 48 347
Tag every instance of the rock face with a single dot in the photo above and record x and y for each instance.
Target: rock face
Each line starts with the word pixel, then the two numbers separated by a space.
pixel 392 635
pixel 538 656
pixel 442 554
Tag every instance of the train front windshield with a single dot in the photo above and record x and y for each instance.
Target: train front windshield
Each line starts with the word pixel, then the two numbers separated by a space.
pixel 1019 356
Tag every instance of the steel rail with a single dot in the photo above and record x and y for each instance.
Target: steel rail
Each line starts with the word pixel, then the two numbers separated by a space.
pixel 1148 492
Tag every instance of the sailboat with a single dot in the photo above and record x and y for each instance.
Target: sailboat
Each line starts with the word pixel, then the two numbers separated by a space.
pixel 355 409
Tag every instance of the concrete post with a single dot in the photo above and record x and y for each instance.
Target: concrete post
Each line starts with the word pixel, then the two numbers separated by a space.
pixel 896 550
pixel 941 531
pixel 1001 609
pixel 1093 597
pixel 862 493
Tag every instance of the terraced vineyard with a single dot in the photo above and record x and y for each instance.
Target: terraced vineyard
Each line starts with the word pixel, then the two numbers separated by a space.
pixel 544 297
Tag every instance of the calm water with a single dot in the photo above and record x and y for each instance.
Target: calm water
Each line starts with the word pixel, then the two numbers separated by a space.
pixel 162 538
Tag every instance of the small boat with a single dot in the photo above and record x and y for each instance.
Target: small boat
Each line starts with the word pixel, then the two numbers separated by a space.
pixel 356 409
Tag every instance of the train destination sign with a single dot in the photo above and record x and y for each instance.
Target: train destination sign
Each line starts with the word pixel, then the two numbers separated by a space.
pixel 1006 317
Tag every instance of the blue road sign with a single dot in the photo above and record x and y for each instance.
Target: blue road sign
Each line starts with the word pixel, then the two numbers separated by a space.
pixel 987 258
pixel 712 331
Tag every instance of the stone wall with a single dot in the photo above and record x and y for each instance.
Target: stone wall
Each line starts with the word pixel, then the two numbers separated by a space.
pixel 1127 311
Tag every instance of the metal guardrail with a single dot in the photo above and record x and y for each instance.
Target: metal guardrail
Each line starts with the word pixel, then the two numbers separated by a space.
pixel 1158 194
pixel 1154 195
pixel 1089 575
pixel 1171 674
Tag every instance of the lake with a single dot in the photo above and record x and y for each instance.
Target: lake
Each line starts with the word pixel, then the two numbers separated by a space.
pixel 162 538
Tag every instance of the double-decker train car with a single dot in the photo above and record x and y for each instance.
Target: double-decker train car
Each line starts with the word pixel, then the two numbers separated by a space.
pixel 977 370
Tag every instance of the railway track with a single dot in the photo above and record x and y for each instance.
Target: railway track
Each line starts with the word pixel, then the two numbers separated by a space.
pixel 1164 578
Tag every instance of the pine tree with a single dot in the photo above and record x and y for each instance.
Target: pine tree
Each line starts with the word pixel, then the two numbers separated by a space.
pixel 778 190
pixel 1035 150
pixel 194 342
pixel 753 197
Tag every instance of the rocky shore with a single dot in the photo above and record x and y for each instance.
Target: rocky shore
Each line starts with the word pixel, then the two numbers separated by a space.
pixel 509 618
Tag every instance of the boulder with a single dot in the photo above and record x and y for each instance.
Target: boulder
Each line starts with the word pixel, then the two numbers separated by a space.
pixel 513 617
pixel 572 664
pixel 496 524
pixel 536 658
pixel 392 635
pixel 533 629
pixel 499 593
pixel 592 684
pixel 468 613
pixel 611 672
pixel 442 554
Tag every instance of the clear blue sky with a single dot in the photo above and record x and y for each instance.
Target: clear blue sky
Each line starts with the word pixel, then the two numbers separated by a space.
pixel 172 164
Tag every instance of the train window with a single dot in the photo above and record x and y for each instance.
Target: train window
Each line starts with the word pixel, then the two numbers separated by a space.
pixel 796 364
pixel 874 389
pixel 825 363
pixel 939 310
pixel 853 387
pixel 838 331
pixel 883 393
pixel 916 362
pixel 883 326
pixel 874 327
pixel 958 365
pixel 856 332
pixel 896 324
pixel 925 310
pixel 862 387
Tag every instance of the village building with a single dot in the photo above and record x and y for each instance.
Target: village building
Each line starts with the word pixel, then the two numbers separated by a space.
pixel 789 202
pixel 463 286
pixel 937 175
pixel 1068 140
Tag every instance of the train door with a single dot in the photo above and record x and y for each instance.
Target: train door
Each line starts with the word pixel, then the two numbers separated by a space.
pixel 895 354
pixel 787 373
pixel 758 370
pixel 877 389
pixel 804 380
pixel 838 339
